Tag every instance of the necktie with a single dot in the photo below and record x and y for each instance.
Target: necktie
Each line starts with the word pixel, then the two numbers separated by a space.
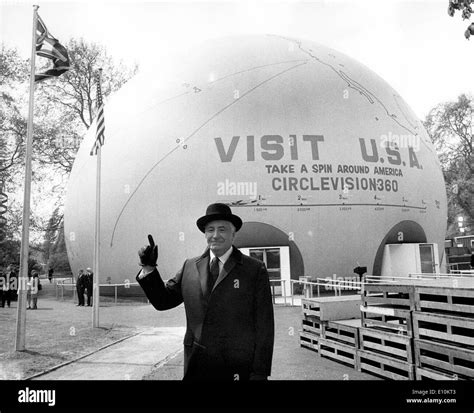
pixel 213 273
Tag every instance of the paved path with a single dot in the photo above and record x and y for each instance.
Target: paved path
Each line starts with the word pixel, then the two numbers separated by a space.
pixel 290 360
pixel 129 359
pixel 154 352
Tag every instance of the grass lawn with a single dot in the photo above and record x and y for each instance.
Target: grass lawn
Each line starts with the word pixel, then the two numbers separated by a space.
pixel 55 333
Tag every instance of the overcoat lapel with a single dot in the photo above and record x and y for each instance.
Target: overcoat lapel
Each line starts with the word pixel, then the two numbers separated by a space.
pixel 202 264
pixel 235 257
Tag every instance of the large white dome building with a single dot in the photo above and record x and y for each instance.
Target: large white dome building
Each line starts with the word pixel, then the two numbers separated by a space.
pixel 320 157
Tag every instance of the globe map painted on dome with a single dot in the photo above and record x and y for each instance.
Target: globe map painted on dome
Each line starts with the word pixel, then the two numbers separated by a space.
pixel 315 152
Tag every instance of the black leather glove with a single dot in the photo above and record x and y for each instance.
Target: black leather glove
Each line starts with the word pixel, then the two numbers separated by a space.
pixel 148 255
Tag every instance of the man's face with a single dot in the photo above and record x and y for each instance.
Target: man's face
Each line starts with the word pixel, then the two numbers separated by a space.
pixel 220 236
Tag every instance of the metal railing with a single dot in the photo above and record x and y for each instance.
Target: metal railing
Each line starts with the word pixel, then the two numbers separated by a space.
pixel 418 277
pixel 309 288
pixel 283 287
pixel 463 272
pixel 62 284
pixel 337 285
pixel 454 266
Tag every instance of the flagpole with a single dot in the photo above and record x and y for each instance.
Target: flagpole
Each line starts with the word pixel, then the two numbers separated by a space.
pixel 25 236
pixel 96 289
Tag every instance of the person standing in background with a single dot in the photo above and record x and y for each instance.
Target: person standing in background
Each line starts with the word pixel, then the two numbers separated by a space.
pixel 32 291
pixel 13 282
pixel 80 286
pixel 8 285
pixel 5 287
pixel 88 285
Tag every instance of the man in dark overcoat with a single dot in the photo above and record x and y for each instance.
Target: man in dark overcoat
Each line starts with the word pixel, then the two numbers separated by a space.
pixel 88 284
pixel 227 300
pixel 5 287
pixel 80 287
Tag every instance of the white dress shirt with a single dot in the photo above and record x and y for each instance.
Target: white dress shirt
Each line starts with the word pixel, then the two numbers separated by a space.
pixel 222 259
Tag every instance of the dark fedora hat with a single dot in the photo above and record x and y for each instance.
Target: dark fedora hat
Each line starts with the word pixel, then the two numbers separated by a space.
pixel 218 212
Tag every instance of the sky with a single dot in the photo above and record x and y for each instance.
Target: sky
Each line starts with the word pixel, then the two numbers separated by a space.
pixel 413 45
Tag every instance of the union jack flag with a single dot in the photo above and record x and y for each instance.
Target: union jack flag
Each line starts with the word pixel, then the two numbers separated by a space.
pixel 49 47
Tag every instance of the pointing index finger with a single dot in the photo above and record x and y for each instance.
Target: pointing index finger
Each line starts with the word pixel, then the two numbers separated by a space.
pixel 150 240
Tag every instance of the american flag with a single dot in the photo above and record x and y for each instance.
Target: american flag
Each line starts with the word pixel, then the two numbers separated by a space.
pixel 49 47
pixel 100 122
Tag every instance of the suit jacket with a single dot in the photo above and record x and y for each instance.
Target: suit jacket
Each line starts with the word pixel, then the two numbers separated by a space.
pixel 80 282
pixel 88 282
pixel 230 330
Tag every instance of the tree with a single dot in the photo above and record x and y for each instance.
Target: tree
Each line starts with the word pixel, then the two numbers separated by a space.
pixel 13 103
pixel 33 264
pixel 466 10
pixel 12 67
pixel 450 126
pixel 64 109
pixel 72 99
pixel 13 72
pixel 51 234
pixel 58 258
pixel 71 103
pixel 9 253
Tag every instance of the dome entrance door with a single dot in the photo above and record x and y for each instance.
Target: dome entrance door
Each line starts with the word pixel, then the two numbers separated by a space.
pixel 277 261
pixel 427 259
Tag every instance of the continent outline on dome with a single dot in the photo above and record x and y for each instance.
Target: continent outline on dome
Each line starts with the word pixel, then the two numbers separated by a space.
pixel 353 84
